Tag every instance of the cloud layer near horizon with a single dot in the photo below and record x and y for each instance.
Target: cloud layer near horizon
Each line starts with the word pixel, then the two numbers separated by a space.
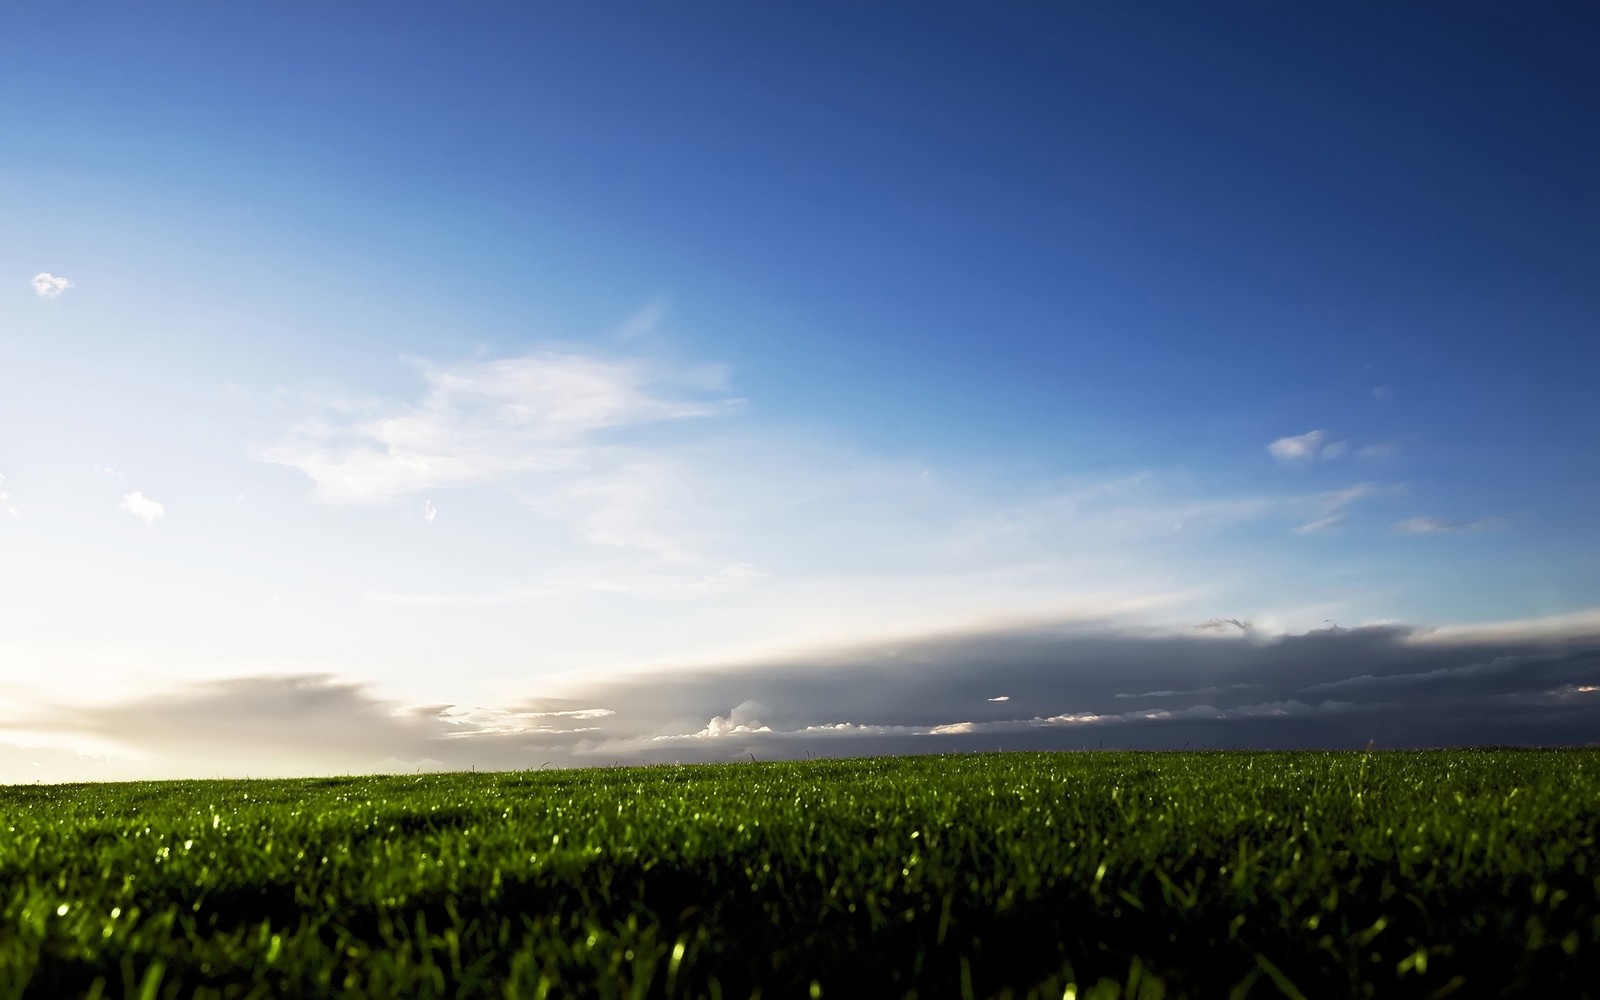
pixel 1057 687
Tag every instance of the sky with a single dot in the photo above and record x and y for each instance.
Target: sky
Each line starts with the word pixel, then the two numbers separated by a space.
pixel 402 386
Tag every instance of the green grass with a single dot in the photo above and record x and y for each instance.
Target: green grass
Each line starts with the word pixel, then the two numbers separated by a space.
pixel 1472 873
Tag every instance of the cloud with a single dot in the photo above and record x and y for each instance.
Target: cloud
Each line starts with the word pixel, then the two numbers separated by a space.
pixel 488 421
pixel 1332 509
pixel 303 723
pixel 1570 627
pixel 1190 692
pixel 142 506
pixel 744 719
pixel 1255 690
pixel 1004 697
pixel 1308 447
pixel 1441 526
pixel 735 576
pixel 49 286
pixel 643 322
pixel 429 511
pixel 1068 687
pixel 622 507
pixel 1322 523
pixel 633 485
pixel 5 501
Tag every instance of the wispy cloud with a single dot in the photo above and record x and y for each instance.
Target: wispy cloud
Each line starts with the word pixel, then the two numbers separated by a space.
pixel 1332 508
pixel 1443 526
pixel 5 501
pixel 486 421
pixel 1190 692
pixel 141 506
pixel 624 506
pixel 429 511
pixel 1308 447
pixel 731 577
pixel 1563 628
pixel 643 322
pixel 1322 523
pixel 49 286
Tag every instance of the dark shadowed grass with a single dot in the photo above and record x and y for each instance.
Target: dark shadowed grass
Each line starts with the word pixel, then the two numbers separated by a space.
pixel 1467 873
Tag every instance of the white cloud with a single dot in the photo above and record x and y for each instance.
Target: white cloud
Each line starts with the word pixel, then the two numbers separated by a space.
pixel 49 286
pixel 485 421
pixel 1070 719
pixel 477 722
pixel 1441 526
pixel 743 719
pixel 140 505
pixel 1322 523
pixel 631 491
pixel 1004 697
pixel 1307 447
pixel 429 511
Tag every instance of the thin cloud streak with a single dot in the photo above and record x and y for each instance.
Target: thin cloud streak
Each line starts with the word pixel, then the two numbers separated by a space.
pixel 1443 526
pixel 732 577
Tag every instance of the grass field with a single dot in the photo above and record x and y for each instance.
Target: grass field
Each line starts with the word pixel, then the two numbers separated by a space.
pixel 1467 873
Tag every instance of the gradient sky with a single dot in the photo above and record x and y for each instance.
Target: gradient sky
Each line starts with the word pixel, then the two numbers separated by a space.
pixel 416 385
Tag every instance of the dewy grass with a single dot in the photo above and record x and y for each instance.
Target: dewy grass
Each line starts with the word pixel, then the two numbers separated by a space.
pixel 1421 874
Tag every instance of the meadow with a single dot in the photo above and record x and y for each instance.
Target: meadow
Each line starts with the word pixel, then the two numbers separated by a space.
pixel 1093 874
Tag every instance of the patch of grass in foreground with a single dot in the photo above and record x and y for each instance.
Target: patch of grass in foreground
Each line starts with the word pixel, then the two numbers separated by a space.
pixel 1471 873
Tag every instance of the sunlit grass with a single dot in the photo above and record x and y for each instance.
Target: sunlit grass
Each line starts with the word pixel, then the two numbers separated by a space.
pixel 1107 874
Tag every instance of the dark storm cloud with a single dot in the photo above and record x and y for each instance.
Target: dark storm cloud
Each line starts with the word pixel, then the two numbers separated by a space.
pixel 1066 688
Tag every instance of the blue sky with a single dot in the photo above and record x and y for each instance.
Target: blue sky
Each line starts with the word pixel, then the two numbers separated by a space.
pixel 493 357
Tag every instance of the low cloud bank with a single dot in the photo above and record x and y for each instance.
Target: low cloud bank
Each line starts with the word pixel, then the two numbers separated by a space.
pixel 1066 687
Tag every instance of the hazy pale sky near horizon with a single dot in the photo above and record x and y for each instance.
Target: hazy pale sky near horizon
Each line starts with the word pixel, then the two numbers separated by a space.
pixel 406 385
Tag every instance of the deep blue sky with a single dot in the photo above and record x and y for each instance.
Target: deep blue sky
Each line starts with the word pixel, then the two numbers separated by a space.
pixel 937 272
